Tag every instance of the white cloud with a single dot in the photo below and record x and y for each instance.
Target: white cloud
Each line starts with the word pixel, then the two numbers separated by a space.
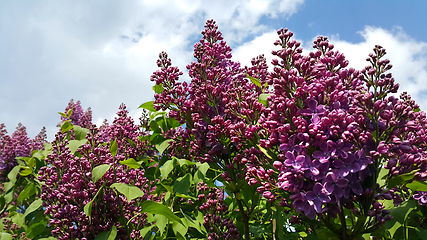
pixel 408 57
pixel 104 54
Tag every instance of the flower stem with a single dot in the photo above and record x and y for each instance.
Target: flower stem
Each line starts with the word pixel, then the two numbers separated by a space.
pixel 244 216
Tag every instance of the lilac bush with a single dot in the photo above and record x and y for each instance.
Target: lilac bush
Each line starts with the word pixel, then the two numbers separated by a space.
pixel 17 145
pixel 311 134
pixel 69 185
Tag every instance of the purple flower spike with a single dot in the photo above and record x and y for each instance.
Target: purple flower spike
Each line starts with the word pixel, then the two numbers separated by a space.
pixel 318 197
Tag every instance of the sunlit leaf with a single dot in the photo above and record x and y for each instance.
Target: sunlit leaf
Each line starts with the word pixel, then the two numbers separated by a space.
pixel 99 171
pixel 33 206
pixel 130 192
pixel 157 208
pixel 149 106
pixel 182 184
pixel 113 147
pixel 417 186
pixel 131 163
pixel 27 192
pixel 73 145
pixel 163 146
pixel 254 80
pixel 66 126
pixel 107 235
pixel 80 132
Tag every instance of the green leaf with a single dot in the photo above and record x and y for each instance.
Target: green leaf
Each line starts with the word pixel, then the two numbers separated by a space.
pixel 203 167
pixel 130 192
pixel 99 171
pixel 166 168
pixel 36 229
pixel 417 186
pixel 63 114
pixel 69 112
pixel 263 150
pixel 18 219
pixel 149 106
pixel 400 179
pixel 33 206
pixel 145 230
pixel 158 88
pixel 179 228
pixel 279 224
pixel 182 184
pixel 113 147
pixel 5 236
pixel 13 173
pixel 254 80
pixel 25 171
pixel 27 192
pixel 162 146
pixel 80 132
pixel 88 209
pixel 48 238
pixel 264 96
pixel 161 222
pixel 192 222
pixel 157 208
pixel 107 235
pixel 73 145
pixel 131 163
pixel 66 126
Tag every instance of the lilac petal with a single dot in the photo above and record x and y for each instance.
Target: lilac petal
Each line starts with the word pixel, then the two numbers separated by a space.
pixel 355 167
pixel 338 163
pixel 329 187
pixel 314 171
pixel 315 119
pixel 344 171
pixel 310 195
pixel 290 156
pixel 310 214
pixel 300 159
pixel 324 146
pixel 317 188
pixel 342 182
pixel 300 204
pixel 357 188
pixel 318 154
pixel 283 147
pixel 324 198
pixel 312 104
pixel 338 192
pixel 317 205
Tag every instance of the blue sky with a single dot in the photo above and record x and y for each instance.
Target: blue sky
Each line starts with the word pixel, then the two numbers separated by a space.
pixel 103 53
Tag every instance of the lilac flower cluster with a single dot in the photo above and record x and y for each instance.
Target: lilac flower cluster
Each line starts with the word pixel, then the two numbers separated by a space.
pixel 13 229
pixel 69 186
pixel 17 145
pixel 78 116
pixel 320 121
pixel 215 208
pixel 311 128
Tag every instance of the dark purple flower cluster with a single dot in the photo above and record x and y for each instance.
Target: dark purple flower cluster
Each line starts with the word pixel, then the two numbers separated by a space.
pixel 78 116
pixel 17 145
pixel 69 186
pixel 214 208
